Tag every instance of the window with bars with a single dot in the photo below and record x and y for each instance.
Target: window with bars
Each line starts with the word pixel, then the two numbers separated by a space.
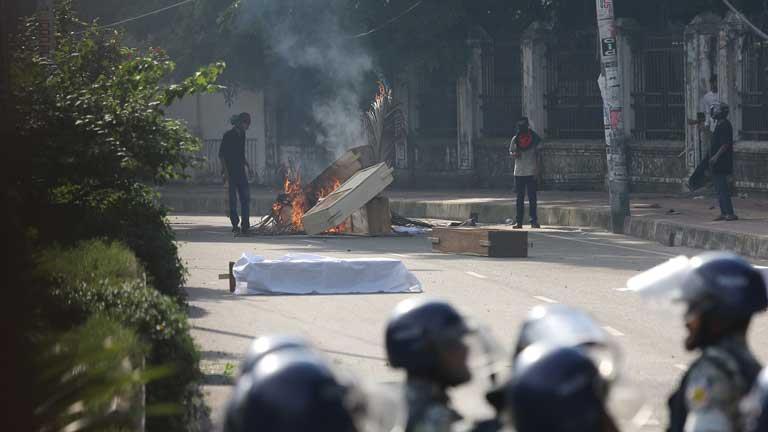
pixel 437 104
pixel 573 101
pixel 754 89
pixel 502 84
pixel 658 96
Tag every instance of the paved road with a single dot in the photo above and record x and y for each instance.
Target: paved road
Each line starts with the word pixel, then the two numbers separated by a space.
pixel 575 267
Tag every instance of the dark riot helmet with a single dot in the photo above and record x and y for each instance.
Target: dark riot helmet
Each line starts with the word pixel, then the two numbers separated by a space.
pixel 754 407
pixel 418 331
pixel 264 345
pixel 291 391
pixel 724 285
pixel 554 390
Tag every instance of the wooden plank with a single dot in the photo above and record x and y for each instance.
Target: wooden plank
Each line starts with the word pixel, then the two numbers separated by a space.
pixel 350 196
pixel 343 168
pixel 481 242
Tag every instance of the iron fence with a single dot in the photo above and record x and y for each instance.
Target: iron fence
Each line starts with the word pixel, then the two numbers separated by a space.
pixel 573 101
pixel 210 166
pixel 437 104
pixel 501 97
pixel 658 94
pixel 754 89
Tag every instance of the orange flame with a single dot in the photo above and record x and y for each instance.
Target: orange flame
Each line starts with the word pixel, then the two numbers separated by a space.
pixel 299 200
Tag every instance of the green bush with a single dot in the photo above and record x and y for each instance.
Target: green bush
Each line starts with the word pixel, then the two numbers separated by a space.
pixel 79 293
pixel 92 261
pixel 132 217
pixel 90 367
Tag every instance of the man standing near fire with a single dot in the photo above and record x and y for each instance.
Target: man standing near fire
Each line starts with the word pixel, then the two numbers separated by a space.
pixel 525 150
pixel 233 169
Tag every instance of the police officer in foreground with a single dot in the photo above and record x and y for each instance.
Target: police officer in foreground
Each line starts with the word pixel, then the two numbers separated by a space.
pixel 267 344
pixel 296 390
pixel 431 341
pixel 559 325
pixel 754 407
pixel 721 292
pixel 557 389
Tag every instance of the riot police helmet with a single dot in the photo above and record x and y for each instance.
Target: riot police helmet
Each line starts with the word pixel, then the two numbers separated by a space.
pixel 267 344
pixel 430 339
pixel 291 391
pixel 555 389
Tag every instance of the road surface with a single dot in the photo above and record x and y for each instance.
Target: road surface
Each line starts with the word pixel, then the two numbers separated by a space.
pixel 581 268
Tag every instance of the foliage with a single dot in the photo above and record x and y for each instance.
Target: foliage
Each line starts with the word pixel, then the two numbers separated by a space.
pixel 201 34
pixel 91 261
pixel 91 376
pixel 132 217
pixel 78 293
pixel 95 109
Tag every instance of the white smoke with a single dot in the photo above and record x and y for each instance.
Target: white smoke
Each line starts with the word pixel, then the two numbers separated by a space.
pixel 308 34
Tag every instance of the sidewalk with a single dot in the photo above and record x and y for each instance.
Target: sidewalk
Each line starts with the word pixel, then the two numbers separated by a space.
pixel 668 219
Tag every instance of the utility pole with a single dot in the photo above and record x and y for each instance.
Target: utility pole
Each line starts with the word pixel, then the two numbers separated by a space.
pixel 613 116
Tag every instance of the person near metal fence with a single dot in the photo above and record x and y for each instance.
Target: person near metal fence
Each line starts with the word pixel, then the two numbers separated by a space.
pixel 721 160
pixel 524 148
pixel 234 165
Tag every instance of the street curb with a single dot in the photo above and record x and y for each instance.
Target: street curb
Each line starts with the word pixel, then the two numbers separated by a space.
pixel 647 228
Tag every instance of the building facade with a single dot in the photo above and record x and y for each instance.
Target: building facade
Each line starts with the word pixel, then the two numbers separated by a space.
pixel 550 76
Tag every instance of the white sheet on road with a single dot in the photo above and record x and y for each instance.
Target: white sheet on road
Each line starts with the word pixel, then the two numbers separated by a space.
pixel 315 274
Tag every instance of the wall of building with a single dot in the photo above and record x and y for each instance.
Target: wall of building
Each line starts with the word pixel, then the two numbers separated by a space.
pixel 208 115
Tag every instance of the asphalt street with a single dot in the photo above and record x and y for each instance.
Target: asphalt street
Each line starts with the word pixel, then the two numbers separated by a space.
pixel 581 268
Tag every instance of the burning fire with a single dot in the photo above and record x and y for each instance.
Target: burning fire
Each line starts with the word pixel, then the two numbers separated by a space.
pixel 295 196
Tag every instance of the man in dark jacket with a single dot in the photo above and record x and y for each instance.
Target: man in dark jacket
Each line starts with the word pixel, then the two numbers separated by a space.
pixel 233 168
pixel 721 162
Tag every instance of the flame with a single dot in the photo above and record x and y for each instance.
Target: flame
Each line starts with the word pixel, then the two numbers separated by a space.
pixel 298 198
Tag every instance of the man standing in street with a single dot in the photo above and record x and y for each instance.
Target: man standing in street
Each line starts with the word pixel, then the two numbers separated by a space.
pixel 524 149
pixel 233 169
pixel 721 162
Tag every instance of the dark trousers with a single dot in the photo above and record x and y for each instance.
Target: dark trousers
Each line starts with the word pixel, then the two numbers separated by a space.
pixel 722 187
pixel 238 187
pixel 523 184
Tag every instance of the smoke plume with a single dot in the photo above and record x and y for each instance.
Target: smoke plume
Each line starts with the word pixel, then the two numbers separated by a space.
pixel 307 35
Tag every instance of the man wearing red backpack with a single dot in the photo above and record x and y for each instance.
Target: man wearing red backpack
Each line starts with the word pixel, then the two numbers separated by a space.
pixel 524 149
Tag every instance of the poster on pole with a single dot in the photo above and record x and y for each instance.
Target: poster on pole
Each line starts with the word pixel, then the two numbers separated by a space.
pixel 605 10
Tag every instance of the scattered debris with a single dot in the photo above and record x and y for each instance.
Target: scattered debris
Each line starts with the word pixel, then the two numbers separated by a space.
pixel 402 221
pixel 646 206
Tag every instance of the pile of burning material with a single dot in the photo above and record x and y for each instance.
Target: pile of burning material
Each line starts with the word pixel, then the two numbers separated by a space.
pixel 344 197
pixel 297 198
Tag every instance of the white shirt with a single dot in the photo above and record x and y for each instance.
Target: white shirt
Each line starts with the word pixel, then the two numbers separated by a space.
pixel 709 99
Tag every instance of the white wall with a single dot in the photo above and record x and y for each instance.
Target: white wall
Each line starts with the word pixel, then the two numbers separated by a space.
pixel 208 115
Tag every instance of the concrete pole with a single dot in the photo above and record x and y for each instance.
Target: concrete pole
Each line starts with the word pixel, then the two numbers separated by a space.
pixel 613 116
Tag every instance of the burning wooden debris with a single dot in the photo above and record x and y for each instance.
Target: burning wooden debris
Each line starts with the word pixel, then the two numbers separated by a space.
pixel 343 198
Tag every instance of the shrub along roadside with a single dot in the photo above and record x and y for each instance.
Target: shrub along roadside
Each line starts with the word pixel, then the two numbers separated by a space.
pixel 130 216
pixel 79 292
pixel 90 376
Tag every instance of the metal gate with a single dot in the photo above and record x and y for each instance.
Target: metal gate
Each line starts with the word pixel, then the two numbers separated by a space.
pixel 658 96
pixel 573 101
pixel 437 104
pixel 502 84
pixel 754 89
